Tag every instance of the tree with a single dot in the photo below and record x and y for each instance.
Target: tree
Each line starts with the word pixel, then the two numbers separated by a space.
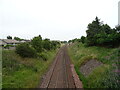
pixel 9 37
pixel 118 28
pixel 17 38
pixel 69 41
pixel 74 40
pixel 24 50
pixel 93 29
pixel 46 44
pixel 78 40
pixel 106 29
pixel 55 44
pixel 64 42
pixel 83 39
pixel 37 43
pixel 102 35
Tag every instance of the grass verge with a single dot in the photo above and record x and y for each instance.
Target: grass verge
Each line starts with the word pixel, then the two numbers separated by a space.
pixel 102 76
pixel 23 72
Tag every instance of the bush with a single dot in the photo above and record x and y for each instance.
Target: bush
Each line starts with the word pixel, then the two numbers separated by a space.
pixel 55 44
pixel 8 46
pixel 83 39
pixel 24 50
pixel 43 56
pixel 37 43
pixel 46 44
pixel 99 34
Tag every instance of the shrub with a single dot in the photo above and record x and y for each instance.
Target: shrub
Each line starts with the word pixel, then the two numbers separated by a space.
pixel 46 44
pixel 37 43
pixel 8 46
pixel 24 50
pixel 99 34
pixel 43 56
pixel 55 44
pixel 83 39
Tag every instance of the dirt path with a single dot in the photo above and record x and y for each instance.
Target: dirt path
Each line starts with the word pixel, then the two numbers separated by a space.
pixel 61 73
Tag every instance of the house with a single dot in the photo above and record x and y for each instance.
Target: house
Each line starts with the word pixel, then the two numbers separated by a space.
pixel 2 43
pixel 10 42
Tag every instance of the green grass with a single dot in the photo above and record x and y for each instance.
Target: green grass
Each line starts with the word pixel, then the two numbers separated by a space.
pixel 24 72
pixel 101 77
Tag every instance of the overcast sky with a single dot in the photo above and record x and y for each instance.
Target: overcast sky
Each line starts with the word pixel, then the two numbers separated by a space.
pixel 54 19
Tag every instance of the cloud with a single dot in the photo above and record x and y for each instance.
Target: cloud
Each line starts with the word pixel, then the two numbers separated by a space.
pixel 54 19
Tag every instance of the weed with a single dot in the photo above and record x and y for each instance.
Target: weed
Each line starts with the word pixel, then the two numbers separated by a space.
pixel 102 76
pixel 21 72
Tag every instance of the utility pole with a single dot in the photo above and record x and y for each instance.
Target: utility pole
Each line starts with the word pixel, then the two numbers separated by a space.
pixel 119 13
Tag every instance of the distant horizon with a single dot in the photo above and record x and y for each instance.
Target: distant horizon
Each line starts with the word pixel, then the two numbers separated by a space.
pixel 57 20
pixel 30 39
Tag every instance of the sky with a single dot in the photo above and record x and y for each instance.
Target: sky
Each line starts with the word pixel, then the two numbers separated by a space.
pixel 54 19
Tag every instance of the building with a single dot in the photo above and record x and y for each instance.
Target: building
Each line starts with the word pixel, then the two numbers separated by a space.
pixel 119 13
pixel 2 43
pixel 9 43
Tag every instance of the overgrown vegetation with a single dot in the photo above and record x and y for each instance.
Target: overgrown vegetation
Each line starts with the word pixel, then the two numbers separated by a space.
pixel 23 67
pixel 99 34
pixel 101 43
pixel 18 39
pixel 8 46
pixel 18 72
pixel 103 76
pixel 25 50
pixel 36 47
pixel 37 43
pixel 102 34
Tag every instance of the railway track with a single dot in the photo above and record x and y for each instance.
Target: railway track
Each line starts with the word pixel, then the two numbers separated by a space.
pixel 60 74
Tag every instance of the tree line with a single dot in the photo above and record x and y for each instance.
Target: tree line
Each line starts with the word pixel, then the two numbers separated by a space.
pixel 36 47
pixel 99 34
pixel 15 38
